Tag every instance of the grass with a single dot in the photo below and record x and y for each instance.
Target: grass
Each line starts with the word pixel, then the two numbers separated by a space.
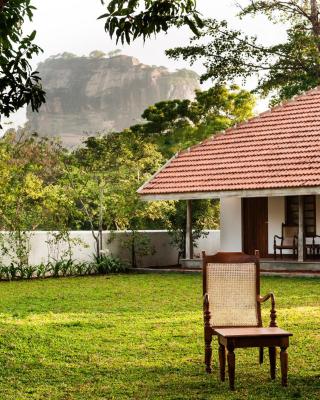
pixel 140 337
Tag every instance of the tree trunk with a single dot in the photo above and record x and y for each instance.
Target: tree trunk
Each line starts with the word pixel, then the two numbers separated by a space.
pixel 133 251
pixel 100 217
pixel 315 19
pixel 96 238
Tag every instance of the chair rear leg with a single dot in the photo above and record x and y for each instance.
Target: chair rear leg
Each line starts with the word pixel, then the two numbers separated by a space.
pixel 272 358
pixel 284 366
pixel 260 355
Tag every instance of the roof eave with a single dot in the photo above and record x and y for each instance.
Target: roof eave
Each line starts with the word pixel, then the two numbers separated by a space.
pixel 269 192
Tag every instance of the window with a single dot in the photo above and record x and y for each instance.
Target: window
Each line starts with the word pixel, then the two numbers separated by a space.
pixel 309 213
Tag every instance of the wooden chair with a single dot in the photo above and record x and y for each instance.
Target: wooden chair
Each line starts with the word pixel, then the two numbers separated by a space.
pixel 312 248
pixel 288 240
pixel 232 311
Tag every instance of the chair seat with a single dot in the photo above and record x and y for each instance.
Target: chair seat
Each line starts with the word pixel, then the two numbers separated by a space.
pixel 278 246
pixel 253 337
pixel 256 331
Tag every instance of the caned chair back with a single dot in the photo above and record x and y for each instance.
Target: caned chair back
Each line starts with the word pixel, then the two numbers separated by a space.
pixel 289 232
pixel 231 281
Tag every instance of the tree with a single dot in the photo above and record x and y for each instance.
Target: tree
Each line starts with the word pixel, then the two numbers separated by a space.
pixel 174 125
pixel 114 53
pixel 283 69
pixel 97 54
pixel 122 162
pixel 205 215
pixel 28 195
pixel 19 85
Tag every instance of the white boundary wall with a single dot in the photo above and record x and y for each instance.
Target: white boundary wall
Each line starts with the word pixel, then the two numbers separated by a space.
pixel 164 253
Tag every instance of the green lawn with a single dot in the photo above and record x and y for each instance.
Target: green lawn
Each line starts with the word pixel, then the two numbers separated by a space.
pixel 140 337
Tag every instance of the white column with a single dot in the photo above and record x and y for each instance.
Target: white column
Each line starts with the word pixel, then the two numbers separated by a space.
pixel 301 233
pixel 189 244
pixel 230 224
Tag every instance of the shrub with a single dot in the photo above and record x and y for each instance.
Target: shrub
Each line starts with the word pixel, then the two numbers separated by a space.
pixel 5 272
pixel 42 269
pixel 61 267
pixel 13 271
pixel 106 264
pixel 82 268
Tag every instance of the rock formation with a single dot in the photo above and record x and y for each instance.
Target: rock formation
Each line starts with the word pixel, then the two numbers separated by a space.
pixel 87 95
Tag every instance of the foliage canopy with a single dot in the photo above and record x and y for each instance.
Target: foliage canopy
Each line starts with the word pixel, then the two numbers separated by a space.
pixel 19 85
pixel 284 69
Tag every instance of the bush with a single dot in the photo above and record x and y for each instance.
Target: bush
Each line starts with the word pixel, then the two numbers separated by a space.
pixel 82 268
pixel 5 272
pixel 42 269
pixel 61 267
pixel 28 271
pixel 106 264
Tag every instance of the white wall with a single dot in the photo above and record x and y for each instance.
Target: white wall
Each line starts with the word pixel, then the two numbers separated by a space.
pixel 230 224
pixel 164 253
pixel 276 216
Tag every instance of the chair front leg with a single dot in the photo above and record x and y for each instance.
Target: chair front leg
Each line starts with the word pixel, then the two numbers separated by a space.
pixel 231 365
pixel 222 362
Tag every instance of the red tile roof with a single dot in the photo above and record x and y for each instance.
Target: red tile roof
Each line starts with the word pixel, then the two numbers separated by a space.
pixel 277 149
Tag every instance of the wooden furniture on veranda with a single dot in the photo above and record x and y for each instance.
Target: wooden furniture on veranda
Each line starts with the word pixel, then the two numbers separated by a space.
pixel 232 311
pixel 287 241
pixel 312 248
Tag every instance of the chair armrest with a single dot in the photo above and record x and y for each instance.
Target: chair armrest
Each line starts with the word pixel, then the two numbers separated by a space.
pixel 275 237
pixel 273 313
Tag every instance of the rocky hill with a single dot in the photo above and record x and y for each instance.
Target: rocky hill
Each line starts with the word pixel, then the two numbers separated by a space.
pixel 87 95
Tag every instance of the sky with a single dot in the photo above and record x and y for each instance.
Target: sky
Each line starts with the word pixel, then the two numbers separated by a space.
pixel 72 26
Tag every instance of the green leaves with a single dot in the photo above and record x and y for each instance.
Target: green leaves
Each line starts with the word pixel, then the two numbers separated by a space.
pixel 174 125
pixel 284 69
pixel 128 20
pixel 18 84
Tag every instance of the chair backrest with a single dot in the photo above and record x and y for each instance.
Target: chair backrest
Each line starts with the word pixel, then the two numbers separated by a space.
pixel 289 231
pixel 232 282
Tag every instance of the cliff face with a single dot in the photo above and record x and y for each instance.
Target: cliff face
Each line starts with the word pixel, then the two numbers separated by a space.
pixel 90 95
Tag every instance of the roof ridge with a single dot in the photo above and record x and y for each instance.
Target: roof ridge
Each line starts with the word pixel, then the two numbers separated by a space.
pixel 268 111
